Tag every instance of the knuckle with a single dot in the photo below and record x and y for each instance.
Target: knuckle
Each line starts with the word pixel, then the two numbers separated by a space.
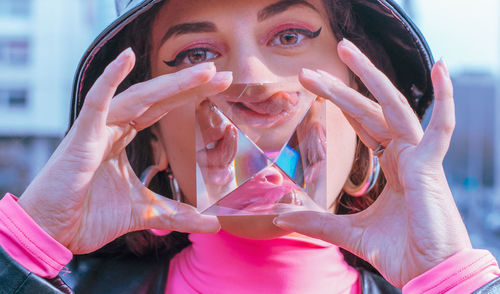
pixel 177 86
pixel 448 127
pixel 360 116
pixel 135 89
pixel 108 77
pixel 402 99
pixel 92 104
pixel 373 109
pixel 323 226
pixel 365 72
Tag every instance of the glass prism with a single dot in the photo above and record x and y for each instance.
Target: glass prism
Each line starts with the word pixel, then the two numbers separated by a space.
pixel 261 149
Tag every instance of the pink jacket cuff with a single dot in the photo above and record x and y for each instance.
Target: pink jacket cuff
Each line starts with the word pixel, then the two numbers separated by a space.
pixel 463 272
pixel 27 243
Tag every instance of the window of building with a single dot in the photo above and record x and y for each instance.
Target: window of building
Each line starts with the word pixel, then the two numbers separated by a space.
pixel 14 51
pixel 15 7
pixel 13 98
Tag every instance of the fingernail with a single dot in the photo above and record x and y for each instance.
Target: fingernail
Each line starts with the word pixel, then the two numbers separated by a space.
pixel 348 44
pixel 280 222
pixel 124 55
pixel 277 222
pixel 444 66
pixel 158 232
pixel 203 66
pixel 310 74
pixel 223 77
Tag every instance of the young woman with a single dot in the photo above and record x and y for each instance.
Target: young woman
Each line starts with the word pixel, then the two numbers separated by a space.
pixel 182 51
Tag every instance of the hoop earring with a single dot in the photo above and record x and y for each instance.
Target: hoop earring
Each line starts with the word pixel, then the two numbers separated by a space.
pixel 368 182
pixel 148 174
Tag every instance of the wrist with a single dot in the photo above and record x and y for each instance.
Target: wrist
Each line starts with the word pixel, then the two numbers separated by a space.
pixel 31 207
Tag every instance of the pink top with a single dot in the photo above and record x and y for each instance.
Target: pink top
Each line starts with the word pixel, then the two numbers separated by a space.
pixel 288 264
pixel 282 265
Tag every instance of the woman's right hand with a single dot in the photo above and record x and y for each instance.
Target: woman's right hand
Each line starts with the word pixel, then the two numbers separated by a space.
pixel 87 194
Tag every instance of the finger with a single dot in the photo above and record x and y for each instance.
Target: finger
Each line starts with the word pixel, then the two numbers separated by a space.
pixel 165 214
pixel 437 137
pixel 399 116
pixel 96 105
pixel 220 82
pixel 363 135
pixel 335 229
pixel 133 102
pixel 366 115
pixel 153 211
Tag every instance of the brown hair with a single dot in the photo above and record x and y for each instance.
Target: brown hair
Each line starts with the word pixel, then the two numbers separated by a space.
pixel 344 25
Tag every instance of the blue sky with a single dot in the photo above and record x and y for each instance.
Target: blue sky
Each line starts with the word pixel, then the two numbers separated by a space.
pixel 465 33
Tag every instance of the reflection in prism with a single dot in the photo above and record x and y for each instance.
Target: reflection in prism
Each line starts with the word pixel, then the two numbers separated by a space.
pixel 261 149
pixel 270 192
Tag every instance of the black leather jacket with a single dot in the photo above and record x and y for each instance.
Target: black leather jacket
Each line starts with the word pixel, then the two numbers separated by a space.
pixel 134 275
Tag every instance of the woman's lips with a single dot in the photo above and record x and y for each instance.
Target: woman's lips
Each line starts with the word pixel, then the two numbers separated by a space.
pixel 219 153
pixel 220 144
pixel 216 158
pixel 315 146
pixel 269 188
pixel 266 113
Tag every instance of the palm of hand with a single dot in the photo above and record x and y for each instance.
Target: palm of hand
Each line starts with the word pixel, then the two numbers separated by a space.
pixel 409 218
pixel 107 208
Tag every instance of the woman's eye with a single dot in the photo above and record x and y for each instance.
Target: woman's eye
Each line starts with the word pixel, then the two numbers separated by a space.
pixel 292 37
pixel 193 56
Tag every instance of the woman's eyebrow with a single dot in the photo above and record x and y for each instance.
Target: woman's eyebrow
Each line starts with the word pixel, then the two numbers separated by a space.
pixel 281 6
pixel 191 27
pixel 210 27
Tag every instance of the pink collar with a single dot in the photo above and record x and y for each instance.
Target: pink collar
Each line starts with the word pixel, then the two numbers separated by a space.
pixel 223 263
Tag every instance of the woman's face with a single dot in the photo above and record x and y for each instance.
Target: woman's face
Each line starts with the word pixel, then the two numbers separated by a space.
pixel 259 41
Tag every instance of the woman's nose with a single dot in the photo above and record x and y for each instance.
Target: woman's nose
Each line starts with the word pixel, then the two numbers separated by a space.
pixel 252 69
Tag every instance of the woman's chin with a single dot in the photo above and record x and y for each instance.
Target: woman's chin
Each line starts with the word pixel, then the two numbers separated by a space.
pixel 257 227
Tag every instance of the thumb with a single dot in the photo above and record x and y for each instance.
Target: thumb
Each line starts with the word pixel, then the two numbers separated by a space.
pixel 335 229
pixel 166 214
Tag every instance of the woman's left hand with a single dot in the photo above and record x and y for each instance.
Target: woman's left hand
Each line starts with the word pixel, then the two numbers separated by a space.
pixel 414 224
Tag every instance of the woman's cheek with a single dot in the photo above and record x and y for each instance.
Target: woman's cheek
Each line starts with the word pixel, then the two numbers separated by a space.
pixel 178 134
pixel 341 148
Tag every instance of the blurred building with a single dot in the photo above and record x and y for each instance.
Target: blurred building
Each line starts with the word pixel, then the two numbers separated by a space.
pixel 471 158
pixel 470 162
pixel 41 42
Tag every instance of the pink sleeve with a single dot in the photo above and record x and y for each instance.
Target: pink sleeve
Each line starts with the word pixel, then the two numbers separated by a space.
pixel 27 243
pixel 463 272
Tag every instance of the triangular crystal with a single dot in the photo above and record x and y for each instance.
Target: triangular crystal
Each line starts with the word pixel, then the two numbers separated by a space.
pixel 225 157
pixel 259 155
